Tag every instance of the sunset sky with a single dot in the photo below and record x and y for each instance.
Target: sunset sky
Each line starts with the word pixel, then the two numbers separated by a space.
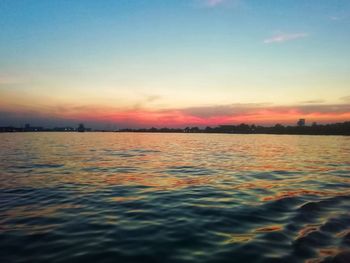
pixel 173 63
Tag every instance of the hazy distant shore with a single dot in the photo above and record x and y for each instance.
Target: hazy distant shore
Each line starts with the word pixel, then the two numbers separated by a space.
pixel 315 129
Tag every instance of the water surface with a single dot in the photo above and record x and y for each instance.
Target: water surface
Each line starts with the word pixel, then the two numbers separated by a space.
pixel 126 197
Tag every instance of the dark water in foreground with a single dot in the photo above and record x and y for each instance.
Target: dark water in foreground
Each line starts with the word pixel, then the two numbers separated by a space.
pixel 107 197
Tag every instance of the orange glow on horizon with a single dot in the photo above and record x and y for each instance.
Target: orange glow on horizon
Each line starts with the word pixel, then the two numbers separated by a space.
pixel 177 118
pixel 182 117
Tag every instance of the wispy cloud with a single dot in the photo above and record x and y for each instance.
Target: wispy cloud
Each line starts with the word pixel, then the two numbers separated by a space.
pixel 335 18
pixel 152 98
pixel 146 101
pixel 313 101
pixel 283 37
pixel 216 3
pixel 213 3
pixel 338 17
pixel 346 99
pixel 6 79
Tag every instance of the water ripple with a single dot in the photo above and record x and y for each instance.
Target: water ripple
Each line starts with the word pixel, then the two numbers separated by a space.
pixel 106 197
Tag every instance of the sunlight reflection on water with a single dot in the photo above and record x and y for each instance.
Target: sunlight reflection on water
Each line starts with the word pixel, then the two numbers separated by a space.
pixel 174 197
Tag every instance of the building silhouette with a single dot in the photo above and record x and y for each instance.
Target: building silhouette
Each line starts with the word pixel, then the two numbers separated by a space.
pixel 81 128
pixel 29 128
pixel 301 122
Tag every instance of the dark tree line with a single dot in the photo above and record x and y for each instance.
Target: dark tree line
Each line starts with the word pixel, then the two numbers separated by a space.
pixel 315 129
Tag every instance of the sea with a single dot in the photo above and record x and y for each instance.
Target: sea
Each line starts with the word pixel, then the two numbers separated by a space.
pixel 156 197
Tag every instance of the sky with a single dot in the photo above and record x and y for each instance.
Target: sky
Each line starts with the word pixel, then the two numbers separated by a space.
pixel 175 63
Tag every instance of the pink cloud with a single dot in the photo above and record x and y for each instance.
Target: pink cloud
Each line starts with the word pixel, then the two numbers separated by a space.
pixel 192 116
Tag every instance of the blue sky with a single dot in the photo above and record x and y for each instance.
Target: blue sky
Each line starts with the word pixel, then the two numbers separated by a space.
pixel 169 56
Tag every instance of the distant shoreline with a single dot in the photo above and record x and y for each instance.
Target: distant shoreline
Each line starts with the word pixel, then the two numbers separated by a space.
pixel 174 132
pixel 278 129
pixel 303 134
